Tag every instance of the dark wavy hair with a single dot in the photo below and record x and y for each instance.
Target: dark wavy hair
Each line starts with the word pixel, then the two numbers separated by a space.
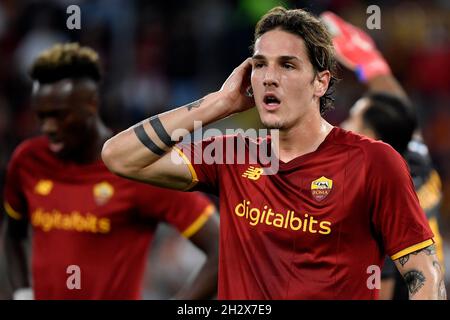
pixel 316 37
pixel 68 60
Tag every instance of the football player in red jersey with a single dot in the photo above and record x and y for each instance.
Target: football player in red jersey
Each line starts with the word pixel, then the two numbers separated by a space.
pixel 91 229
pixel 384 113
pixel 338 203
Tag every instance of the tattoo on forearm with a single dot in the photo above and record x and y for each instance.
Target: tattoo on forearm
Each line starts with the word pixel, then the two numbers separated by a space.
pixel 403 260
pixel 430 250
pixel 437 265
pixel 146 141
pixel 156 124
pixel 442 292
pixel 194 104
pixel 415 280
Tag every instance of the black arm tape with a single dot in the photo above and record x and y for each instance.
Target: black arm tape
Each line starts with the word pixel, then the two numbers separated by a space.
pixel 146 141
pixel 161 132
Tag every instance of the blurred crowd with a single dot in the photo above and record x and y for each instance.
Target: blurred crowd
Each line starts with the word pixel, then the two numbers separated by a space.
pixel 157 55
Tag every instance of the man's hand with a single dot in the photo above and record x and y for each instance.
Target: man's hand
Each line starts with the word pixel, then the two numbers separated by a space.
pixel 355 49
pixel 235 92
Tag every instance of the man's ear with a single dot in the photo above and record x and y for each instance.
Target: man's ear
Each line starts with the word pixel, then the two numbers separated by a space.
pixel 321 82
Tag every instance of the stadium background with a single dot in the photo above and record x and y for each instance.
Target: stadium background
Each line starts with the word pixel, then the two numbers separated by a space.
pixel 160 54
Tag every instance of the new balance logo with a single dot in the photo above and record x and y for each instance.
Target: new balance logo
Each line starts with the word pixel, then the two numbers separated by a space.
pixel 253 173
pixel 43 187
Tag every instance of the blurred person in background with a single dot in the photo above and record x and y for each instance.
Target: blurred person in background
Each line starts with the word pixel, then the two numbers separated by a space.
pixel 81 214
pixel 385 113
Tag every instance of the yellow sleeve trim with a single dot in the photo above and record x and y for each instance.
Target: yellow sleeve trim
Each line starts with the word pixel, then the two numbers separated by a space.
pixel 199 222
pixel 190 166
pixel 11 212
pixel 413 248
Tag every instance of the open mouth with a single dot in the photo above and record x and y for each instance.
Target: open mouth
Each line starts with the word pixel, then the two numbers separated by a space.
pixel 271 101
pixel 56 146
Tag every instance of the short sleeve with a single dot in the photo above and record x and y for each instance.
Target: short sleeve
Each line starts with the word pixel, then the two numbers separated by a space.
pixel 396 213
pixel 186 211
pixel 203 159
pixel 14 197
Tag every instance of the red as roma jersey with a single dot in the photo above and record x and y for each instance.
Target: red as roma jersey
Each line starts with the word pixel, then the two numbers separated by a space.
pixel 319 227
pixel 86 218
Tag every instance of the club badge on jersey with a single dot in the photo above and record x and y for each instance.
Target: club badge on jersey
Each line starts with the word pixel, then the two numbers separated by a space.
pixel 321 188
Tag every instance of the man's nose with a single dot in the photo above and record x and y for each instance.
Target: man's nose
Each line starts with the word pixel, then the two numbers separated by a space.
pixel 271 77
pixel 49 126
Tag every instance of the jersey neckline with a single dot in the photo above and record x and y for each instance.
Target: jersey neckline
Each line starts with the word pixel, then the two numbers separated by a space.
pixel 298 161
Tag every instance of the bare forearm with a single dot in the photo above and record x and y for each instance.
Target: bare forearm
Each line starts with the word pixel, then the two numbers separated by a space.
pixel 425 285
pixel 141 152
pixel 125 151
pixel 16 263
pixel 204 286
pixel 423 275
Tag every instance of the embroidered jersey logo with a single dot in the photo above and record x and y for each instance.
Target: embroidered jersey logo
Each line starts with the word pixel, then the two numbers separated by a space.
pixel 253 173
pixel 103 191
pixel 43 187
pixel 321 187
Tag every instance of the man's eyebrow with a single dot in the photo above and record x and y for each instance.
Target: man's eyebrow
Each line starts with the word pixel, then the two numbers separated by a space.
pixel 287 58
pixel 282 58
pixel 259 57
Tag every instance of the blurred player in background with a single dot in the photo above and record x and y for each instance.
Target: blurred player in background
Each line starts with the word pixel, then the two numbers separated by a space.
pixel 384 113
pixel 80 213
pixel 338 203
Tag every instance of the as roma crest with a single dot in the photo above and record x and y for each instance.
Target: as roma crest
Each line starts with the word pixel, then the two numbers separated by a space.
pixel 321 187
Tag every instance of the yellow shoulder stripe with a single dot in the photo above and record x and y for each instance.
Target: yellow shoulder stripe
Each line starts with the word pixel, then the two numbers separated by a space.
pixel 413 248
pixel 11 212
pixel 199 222
pixel 190 166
